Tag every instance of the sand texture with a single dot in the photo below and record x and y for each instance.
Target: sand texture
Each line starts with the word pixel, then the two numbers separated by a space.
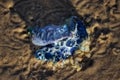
pixel 101 17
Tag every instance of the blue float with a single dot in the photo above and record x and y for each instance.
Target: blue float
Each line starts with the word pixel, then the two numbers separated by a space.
pixel 58 42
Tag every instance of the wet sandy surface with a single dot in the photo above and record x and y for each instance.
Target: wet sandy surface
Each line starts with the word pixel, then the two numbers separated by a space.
pixel 102 18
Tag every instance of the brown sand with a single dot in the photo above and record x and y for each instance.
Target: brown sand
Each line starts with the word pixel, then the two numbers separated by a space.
pixel 102 18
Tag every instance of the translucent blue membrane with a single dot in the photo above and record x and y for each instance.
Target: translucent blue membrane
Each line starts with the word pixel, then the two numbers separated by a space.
pixel 59 41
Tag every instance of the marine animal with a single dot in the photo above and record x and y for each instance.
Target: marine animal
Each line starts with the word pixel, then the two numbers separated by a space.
pixel 58 42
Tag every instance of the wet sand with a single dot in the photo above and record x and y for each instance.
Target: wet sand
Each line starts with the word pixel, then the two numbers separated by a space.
pixel 101 17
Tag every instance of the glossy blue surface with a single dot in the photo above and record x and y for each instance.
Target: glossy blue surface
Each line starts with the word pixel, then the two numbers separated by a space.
pixel 59 42
pixel 49 34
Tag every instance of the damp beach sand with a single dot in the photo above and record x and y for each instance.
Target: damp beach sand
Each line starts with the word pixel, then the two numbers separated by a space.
pixel 102 20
